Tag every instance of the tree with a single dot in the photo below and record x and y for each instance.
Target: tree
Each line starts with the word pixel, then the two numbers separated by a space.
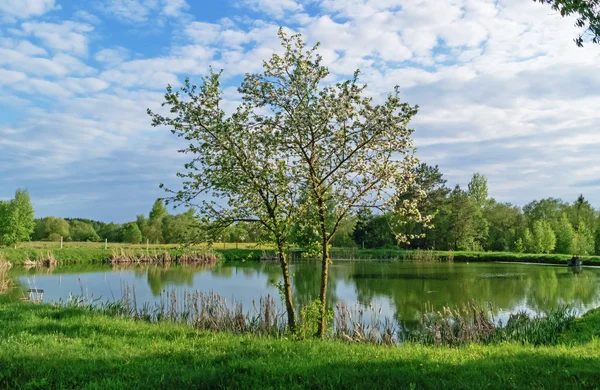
pixel 142 222
pixel 83 231
pixel 478 190
pixel 564 235
pixel 131 233
pixel 462 222
pixel 429 181
pixel 544 239
pixel 583 242
pixel 587 12
pixel 237 159
pixel 17 220
pixel 48 227
pixel 504 221
pixel 346 150
pixel 183 228
pixel 153 230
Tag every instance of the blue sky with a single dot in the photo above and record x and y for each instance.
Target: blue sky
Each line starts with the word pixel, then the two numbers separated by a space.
pixel 503 89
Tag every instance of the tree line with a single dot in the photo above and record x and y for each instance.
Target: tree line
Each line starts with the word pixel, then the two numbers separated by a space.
pixel 159 227
pixel 471 220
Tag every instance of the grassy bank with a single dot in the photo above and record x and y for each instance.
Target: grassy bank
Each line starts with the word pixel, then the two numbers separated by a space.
pixel 42 346
pixel 94 253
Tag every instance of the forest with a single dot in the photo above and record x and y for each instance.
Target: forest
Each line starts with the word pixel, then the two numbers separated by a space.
pixel 462 219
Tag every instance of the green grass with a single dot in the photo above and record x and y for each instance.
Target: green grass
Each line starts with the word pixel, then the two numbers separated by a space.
pixel 42 346
pixel 463 256
pixel 94 253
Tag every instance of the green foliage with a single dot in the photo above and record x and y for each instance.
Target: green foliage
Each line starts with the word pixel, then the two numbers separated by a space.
pixel 50 228
pixel 544 239
pixel 17 220
pixel 373 231
pixel 131 233
pixel 464 220
pixel 82 231
pixel 478 189
pixel 583 240
pixel 565 235
pixel 310 318
pixel 519 245
pixel 504 221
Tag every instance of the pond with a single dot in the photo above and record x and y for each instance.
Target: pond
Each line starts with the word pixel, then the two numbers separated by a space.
pixel 402 290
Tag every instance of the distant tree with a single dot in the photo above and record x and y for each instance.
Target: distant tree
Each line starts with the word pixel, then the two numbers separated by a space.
pixel 597 237
pixel 51 228
pixel 529 241
pixel 544 240
pixel 582 211
pixel 587 12
pixel 82 231
pixel 112 232
pixel 463 225
pixel 373 230
pixel 142 222
pixel 564 235
pixel 154 228
pixel 183 228
pixel 429 181
pixel 504 222
pixel 17 220
pixel 131 233
pixel 583 242
pixel 478 189
pixel 519 245
pixel 549 210
pixel 343 236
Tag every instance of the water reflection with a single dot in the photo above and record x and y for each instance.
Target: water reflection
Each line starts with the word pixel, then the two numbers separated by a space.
pixel 403 290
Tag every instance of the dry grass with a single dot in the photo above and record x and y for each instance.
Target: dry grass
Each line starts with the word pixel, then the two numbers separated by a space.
pixel 119 245
pixel 128 256
pixel 5 281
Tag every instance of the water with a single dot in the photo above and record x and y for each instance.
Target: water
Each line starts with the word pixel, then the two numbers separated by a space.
pixel 403 290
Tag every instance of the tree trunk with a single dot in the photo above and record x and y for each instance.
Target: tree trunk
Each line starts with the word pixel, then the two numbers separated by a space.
pixel 323 293
pixel 287 288
pixel 324 268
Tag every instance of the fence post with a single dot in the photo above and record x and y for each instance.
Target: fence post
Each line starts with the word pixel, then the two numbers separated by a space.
pixel 105 243
pixel 61 242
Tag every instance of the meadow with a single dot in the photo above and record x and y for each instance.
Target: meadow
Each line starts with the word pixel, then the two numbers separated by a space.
pixel 44 346
pixel 98 252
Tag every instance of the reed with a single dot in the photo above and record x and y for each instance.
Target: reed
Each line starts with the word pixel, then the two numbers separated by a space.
pixel 6 282
pixel 205 311
pixel 129 256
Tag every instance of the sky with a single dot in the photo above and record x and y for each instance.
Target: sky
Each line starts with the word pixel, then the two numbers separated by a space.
pixel 502 89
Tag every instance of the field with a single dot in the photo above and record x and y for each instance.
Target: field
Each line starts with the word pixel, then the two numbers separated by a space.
pixel 42 346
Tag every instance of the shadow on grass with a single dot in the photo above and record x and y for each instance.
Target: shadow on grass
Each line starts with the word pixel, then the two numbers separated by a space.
pixel 188 370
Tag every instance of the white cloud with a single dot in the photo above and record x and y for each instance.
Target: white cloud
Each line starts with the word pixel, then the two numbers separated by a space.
pixel 502 88
pixel 67 36
pixel 275 8
pixel 112 56
pixel 140 11
pixel 23 9
pixel 175 8
pixel 11 77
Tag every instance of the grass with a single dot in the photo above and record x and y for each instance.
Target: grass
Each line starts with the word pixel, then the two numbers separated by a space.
pixel 50 245
pixel 43 346
pixel 94 253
